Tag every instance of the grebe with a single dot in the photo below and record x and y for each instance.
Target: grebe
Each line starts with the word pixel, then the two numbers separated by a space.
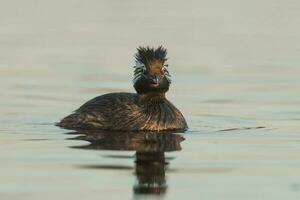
pixel 146 110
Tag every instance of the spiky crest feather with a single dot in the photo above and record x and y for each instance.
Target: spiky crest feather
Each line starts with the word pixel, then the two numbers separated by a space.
pixel 146 55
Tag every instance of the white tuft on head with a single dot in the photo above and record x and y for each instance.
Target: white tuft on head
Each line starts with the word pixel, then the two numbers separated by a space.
pixel 139 69
pixel 167 74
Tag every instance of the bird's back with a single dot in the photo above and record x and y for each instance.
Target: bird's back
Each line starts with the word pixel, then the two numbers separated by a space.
pixel 124 112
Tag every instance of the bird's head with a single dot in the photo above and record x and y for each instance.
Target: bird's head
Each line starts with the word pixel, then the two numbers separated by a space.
pixel 151 73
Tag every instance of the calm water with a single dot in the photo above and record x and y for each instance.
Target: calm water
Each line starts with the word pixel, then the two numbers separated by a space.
pixel 236 78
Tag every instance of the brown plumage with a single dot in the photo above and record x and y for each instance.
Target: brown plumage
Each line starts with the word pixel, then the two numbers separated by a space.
pixel 148 110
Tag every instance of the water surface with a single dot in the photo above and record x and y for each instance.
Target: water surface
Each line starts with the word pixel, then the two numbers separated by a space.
pixel 235 69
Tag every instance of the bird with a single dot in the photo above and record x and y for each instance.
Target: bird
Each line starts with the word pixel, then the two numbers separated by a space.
pixel 146 110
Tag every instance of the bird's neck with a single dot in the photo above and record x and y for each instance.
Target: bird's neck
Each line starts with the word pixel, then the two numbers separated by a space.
pixel 152 98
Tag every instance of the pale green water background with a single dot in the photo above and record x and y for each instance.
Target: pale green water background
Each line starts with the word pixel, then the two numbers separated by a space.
pixel 235 65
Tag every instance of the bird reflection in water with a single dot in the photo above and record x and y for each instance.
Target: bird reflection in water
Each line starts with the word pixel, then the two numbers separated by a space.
pixel 150 160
